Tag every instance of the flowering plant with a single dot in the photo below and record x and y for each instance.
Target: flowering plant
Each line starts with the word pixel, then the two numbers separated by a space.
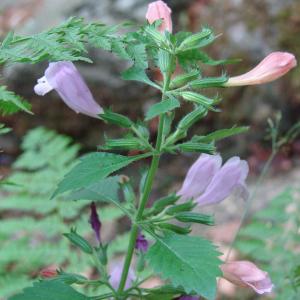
pixel 160 240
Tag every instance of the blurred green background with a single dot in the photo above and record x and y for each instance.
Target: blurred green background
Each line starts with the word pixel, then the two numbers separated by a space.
pixel 248 30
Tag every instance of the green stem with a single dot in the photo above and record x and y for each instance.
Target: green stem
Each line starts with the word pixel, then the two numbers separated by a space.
pixel 143 202
pixel 146 192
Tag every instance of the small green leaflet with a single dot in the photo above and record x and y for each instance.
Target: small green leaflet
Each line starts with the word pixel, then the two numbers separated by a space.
pixel 106 190
pixel 139 55
pixel 49 290
pixel 162 107
pixel 196 40
pixel 11 103
pixel 138 74
pixel 187 261
pixel 92 168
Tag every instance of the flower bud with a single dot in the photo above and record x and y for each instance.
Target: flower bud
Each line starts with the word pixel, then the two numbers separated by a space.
pixel 95 222
pixel 141 243
pixel 272 67
pixel 67 81
pixel 159 10
pixel 245 273
pixel 48 273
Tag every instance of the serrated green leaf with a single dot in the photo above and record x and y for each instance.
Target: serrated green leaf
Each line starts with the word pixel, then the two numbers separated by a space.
pixel 195 40
pixel 105 190
pixel 189 262
pixel 155 35
pixel 139 55
pixel 118 47
pixel 49 290
pixel 92 168
pixel 162 107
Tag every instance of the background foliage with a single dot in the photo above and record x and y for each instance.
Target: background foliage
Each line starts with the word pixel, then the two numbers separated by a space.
pixel 32 224
pixel 272 239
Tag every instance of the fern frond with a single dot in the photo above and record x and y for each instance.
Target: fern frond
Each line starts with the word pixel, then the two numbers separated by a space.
pixel 11 103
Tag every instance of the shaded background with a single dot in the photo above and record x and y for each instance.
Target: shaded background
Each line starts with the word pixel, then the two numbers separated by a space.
pixel 249 30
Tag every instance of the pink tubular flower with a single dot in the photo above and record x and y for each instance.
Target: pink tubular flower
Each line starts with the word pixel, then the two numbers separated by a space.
pixel 270 68
pixel 67 81
pixel 160 10
pixel 245 273
pixel 209 183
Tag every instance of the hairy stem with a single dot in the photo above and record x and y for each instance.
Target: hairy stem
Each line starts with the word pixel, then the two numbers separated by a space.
pixel 146 193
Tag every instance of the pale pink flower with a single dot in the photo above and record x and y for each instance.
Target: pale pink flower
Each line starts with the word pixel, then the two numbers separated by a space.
pixel 209 183
pixel 116 273
pixel 63 77
pixel 160 10
pixel 199 176
pixel 270 68
pixel 245 273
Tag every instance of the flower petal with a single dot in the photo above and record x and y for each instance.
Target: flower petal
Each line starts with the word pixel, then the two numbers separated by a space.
pixel 225 181
pixel 269 69
pixel 245 273
pixel 67 81
pixel 42 87
pixel 199 176
pixel 160 10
